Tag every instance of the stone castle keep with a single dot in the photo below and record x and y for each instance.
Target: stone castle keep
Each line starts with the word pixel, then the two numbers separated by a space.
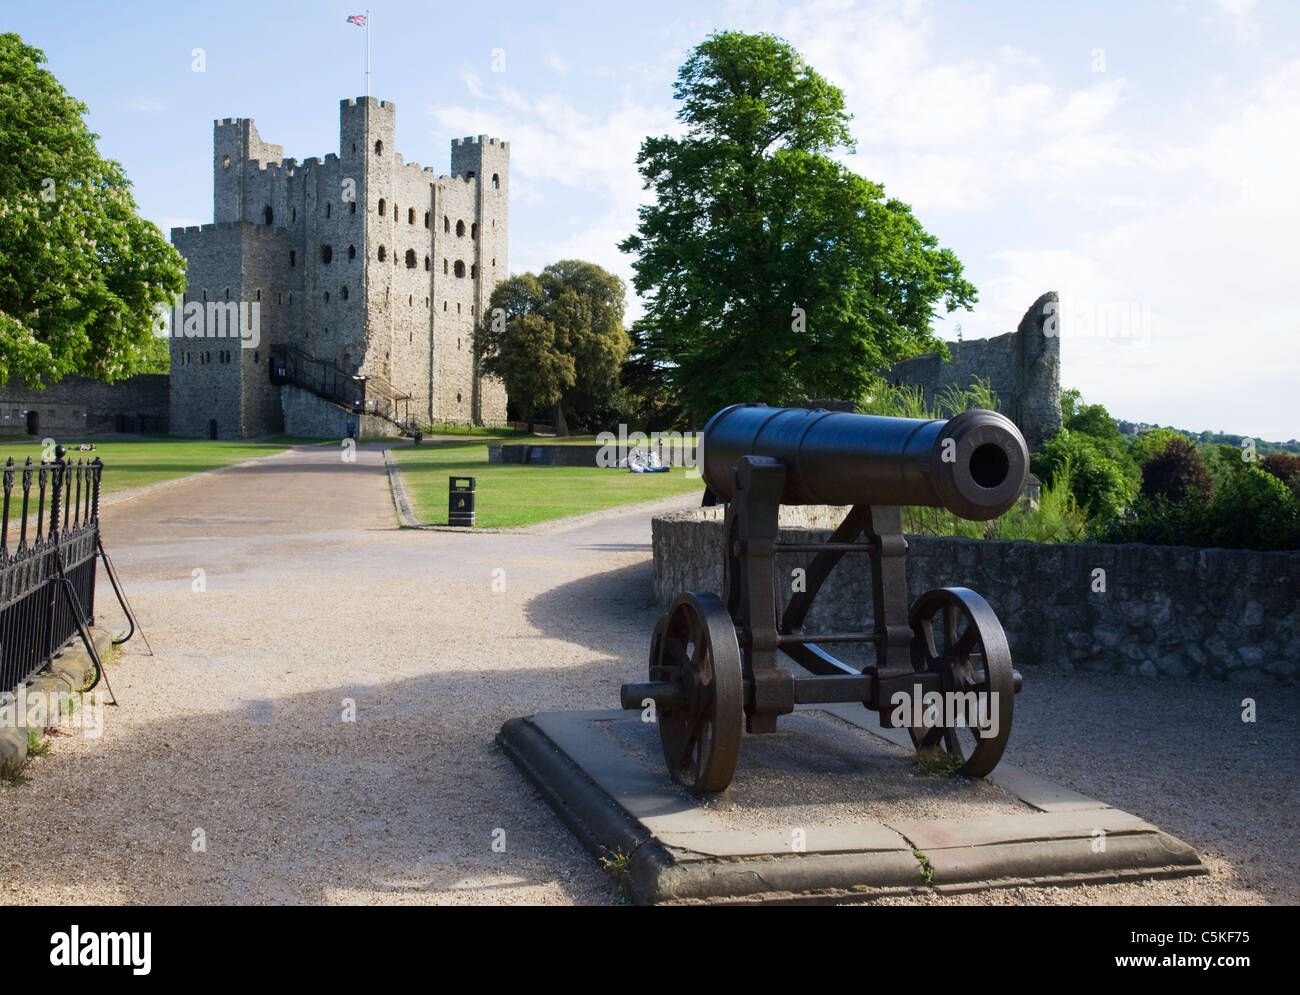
pixel 369 274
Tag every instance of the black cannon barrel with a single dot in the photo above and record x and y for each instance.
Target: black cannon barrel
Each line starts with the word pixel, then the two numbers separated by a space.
pixel 974 464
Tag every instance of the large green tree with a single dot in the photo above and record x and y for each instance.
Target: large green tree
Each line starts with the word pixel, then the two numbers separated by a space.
pixel 80 270
pixel 772 271
pixel 557 341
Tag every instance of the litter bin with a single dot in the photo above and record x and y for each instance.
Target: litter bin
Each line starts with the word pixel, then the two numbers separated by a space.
pixel 460 505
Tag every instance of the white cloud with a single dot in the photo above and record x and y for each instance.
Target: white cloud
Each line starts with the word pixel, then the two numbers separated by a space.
pixel 149 105
pixel 556 64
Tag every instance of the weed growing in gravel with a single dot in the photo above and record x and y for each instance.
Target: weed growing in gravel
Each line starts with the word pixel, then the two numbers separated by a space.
pixel 934 760
pixel 616 862
pixel 37 747
pixel 12 773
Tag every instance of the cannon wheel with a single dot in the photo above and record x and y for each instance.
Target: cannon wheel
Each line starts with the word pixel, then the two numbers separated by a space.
pixel 695 645
pixel 957 635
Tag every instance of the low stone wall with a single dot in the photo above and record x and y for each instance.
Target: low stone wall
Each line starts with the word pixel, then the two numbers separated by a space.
pixel 1165 610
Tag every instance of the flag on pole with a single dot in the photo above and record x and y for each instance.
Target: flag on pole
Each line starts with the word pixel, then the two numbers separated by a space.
pixel 358 19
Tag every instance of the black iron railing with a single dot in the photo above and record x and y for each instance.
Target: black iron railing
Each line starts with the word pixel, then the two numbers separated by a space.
pixel 47 578
pixel 369 395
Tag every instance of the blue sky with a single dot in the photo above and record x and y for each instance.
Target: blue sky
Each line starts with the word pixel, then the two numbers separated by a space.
pixel 1138 158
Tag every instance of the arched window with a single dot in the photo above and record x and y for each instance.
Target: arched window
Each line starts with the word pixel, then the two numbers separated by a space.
pixel 326 254
pixel 268 215
pixel 293 258
pixel 410 300
pixel 460 268
pixel 382 204
pixel 460 229
pixel 496 181
pixel 473 271
pixel 293 215
pixel 446 223
pixel 352 252
pixel 379 148
pixel 473 230
pixel 410 215
pixel 381 254
pixel 345 293
pixel 427 219
pixel 410 259
pixel 445 267
pixel 352 207
pixel 428 264
pixel 329 209
pixel 327 297
pixel 444 305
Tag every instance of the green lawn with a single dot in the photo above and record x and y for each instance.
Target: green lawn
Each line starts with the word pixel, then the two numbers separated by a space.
pixel 137 463
pixel 509 494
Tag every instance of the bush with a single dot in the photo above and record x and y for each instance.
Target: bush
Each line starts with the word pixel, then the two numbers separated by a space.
pixel 1100 488
pixel 1151 443
pixel 1286 467
pixel 1175 472
pixel 1252 510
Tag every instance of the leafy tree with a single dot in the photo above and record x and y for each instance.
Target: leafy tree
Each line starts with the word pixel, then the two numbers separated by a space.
pixel 1175 472
pixel 1095 423
pixel 772 271
pixel 80 271
pixel 1101 489
pixel 1070 400
pixel 1286 467
pixel 1150 443
pixel 557 341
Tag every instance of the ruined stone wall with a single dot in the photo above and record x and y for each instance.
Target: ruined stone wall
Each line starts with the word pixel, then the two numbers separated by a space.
pixel 1167 611
pixel 1023 367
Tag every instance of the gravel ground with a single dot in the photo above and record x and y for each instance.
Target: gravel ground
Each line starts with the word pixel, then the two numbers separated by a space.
pixel 230 775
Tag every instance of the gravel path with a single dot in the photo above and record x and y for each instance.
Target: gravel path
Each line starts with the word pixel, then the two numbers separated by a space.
pixel 313 599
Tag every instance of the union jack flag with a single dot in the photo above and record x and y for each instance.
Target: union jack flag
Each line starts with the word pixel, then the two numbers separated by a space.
pixel 357 19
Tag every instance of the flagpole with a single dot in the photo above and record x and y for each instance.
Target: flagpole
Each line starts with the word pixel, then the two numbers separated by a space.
pixel 367 51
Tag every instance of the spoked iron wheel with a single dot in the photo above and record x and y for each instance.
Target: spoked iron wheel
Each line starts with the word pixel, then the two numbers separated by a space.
pixel 695 646
pixel 957 635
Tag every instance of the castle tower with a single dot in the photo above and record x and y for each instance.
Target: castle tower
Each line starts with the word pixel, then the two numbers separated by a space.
pixel 366 269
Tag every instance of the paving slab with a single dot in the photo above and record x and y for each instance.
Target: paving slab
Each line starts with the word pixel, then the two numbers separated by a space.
pixel 829 809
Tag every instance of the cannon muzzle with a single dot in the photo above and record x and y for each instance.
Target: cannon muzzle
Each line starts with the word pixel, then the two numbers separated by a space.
pixel 974 464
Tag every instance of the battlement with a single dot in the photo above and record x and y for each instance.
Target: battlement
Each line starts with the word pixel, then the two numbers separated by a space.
pixel 478 140
pixel 370 101
pixel 229 122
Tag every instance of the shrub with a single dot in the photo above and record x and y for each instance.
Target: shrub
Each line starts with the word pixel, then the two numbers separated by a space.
pixel 1175 472
pixel 1251 510
pixel 1100 488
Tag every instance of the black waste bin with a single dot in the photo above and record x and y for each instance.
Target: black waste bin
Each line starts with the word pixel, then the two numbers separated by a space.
pixel 460 506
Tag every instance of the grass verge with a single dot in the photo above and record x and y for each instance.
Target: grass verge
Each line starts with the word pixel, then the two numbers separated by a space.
pixel 509 495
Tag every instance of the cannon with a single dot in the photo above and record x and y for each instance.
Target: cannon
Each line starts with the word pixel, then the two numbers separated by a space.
pixel 942 667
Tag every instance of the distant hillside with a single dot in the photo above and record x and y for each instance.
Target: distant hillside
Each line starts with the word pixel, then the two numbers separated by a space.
pixel 1214 438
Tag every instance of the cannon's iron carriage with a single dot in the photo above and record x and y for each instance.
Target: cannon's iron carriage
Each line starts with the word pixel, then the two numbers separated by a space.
pixel 942 668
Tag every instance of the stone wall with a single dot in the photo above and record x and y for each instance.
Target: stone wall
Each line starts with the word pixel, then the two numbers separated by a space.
pixel 1023 368
pixel 1170 611
pixel 309 416
pixel 77 406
